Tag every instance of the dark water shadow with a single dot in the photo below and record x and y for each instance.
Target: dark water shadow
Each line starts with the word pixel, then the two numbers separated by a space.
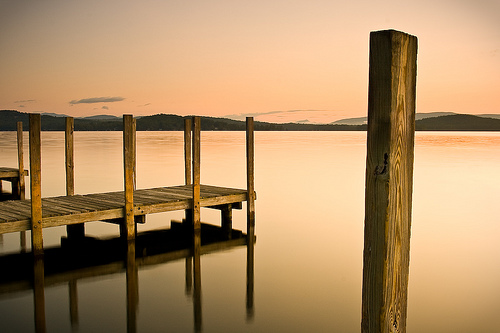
pixel 86 257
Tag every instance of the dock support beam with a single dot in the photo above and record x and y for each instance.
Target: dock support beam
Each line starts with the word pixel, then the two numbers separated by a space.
pixel 73 231
pixel 188 129
pixel 21 188
pixel 250 178
pixel 36 184
pixel 129 166
pixel 389 180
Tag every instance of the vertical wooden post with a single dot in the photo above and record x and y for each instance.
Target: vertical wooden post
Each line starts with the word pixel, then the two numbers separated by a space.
pixel 69 156
pixel 75 230
pixel 196 224
pixel 389 180
pixel 36 184
pixel 250 178
pixel 20 161
pixel 128 166
pixel 22 184
pixel 188 128
pixel 196 173
pixel 227 220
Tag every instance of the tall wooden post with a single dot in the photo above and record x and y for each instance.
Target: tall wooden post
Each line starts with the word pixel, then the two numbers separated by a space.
pixel 20 161
pixel 196 173
pixel 22 185
pixel 188 129
pixel 389 180
pixel 128 166
pixel 75 230
pixel 250 178
pixel 36 184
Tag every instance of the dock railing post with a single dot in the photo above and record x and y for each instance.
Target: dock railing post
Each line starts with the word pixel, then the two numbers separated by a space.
pixel 188 129
pixel 389 180
pixel 196 173
pixel 74 230
pixel 20 162
pixel 250 145
pixel 22 185
pixel 36 184
pixel 129 166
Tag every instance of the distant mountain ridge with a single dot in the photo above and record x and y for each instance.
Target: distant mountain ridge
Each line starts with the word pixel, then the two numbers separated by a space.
pixel 436 121
pixel 418 116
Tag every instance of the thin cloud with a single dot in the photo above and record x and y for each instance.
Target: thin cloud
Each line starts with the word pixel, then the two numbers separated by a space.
pixel 140 106
pixel 241 116
pixel 97 100
pixel 26 101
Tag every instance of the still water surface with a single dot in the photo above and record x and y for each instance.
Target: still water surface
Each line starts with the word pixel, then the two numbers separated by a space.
pixel 309 228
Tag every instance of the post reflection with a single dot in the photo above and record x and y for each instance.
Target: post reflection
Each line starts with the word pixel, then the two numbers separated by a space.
pixel 39 293
pixel 79 259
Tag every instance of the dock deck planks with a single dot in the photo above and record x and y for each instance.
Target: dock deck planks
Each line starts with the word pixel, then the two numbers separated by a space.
pixel 15 215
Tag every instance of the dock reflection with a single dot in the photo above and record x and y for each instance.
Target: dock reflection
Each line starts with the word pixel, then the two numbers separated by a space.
pixel 82 258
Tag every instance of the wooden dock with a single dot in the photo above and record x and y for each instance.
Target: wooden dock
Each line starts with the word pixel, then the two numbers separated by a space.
pixel 67 210
pixel 126 207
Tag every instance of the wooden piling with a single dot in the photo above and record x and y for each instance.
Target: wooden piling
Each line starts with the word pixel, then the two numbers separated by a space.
pixel 250 148
pixel 128 166
pixel 73 230
pixel 188 128
pixel 69 156
pixel 196 173
pixel 36 184
pixel 20 162
pixel 389 173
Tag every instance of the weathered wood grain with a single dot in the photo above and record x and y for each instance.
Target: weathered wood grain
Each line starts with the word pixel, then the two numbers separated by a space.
pixel 129 166
pixel 389 174
pixel 250 148
pixel 20 161
pixel 36 183
pixel 196 173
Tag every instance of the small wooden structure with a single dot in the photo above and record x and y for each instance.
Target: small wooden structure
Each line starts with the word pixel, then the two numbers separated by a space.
pixel 126 206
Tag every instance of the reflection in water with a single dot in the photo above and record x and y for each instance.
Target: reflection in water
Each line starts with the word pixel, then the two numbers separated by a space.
pixel 80 258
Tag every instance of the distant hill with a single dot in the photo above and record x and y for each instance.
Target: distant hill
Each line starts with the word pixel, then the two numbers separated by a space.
pixel 418 116
pixel 169 122
pixel 458 122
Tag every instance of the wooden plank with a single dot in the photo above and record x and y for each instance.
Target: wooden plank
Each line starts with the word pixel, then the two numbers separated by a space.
pixel 250 145
pixel 128 171
pixel 196 173
pixel 389 173
pixel 20 161
pixel 36 183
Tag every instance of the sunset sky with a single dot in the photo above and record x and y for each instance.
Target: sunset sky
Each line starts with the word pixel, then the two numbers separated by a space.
pixel 277 60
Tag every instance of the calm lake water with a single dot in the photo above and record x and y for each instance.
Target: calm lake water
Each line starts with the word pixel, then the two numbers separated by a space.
pixel 309 227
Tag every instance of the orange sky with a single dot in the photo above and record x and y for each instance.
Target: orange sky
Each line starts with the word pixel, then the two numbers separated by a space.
pixel 277 60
